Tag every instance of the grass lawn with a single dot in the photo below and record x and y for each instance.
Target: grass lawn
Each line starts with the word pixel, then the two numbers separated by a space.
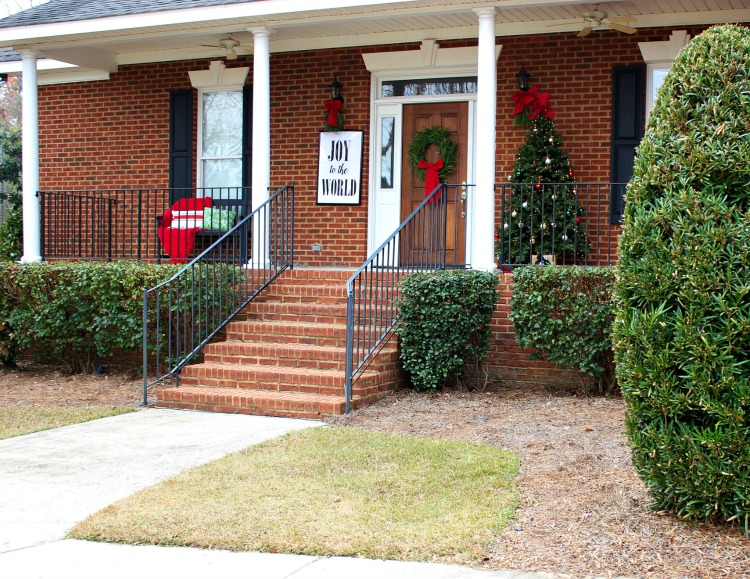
pixel 328 491
pixel 18 420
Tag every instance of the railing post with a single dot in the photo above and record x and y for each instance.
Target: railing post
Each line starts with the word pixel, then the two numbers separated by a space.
pixel 109 229
pixel 145 346
pixel 140 221
pixel 291 248
pixel 40 194
pixel 349 345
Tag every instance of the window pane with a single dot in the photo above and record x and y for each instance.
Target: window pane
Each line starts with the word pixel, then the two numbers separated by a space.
pixel 432 86
pixel 386 153
pixel 222 124
pixel 657 79
pixel 222 173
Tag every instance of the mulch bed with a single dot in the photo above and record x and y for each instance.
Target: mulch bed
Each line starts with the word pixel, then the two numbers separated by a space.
pixel 584 511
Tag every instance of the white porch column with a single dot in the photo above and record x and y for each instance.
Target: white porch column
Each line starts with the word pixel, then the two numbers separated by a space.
pixel 261 139
pixel 483 231
pixel 30 160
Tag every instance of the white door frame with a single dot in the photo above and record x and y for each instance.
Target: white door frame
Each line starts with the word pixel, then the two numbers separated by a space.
pixel 384 206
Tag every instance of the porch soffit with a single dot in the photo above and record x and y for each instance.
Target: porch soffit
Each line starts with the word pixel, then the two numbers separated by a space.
pixel 384 23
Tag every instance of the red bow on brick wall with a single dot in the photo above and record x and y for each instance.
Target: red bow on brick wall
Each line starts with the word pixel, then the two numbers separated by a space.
pixel 333 107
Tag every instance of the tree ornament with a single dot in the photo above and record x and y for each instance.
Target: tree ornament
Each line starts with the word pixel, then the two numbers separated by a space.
pixel 564 237
pixel 533 241
pixel 578 219
pixel 505 225
pixel 538 186
pixel 580 211
pixel 525 205
pixel 570 173
pixel 554 197
pixel 553 225
pixel 552 139
pixel 548 161
pixel 510 177
pixel 544 226
pixel 514 213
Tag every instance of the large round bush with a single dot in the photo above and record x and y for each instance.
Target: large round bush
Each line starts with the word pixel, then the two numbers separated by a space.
pixel 682 332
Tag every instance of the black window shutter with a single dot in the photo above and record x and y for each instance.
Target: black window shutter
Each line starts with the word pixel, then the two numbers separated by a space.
pixel 628 119
pixel 247 136
pixel 180 144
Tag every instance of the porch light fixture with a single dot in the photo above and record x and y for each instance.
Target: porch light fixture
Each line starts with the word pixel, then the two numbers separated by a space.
pixel 335 88
pixel 523 77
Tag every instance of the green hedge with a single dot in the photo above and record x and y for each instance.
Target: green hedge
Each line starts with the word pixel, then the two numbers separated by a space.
pixel 74 312
pixel 444 324
pixel 682 335
pixel 565 314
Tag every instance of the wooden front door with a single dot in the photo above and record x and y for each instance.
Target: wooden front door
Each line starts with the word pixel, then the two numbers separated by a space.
pixel 454 117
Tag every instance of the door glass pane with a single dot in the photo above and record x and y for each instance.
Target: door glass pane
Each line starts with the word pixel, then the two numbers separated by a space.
pixel 222 124
pixel 386 152
pixel 222 173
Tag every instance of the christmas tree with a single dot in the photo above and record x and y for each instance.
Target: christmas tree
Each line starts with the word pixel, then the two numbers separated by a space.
pixel 542 218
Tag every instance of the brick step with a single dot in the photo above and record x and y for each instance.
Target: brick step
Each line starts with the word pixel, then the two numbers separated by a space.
pixel 295 312
pixel 319 294
pixel 277 378
pixel 287 332
pixel 236 401
pixel 316 276
pixel 292 355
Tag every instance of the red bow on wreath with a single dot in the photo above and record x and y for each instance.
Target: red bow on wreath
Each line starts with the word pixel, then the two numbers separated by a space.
pixel 333 107
pixel 431 177
pixel 536 101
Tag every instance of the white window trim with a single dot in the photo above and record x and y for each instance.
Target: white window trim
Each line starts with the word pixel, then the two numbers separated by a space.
pixel 659 56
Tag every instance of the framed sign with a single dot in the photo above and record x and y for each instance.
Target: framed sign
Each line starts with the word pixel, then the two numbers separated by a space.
pixel 340 168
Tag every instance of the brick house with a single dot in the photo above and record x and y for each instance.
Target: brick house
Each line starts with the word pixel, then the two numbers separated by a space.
pixel 152 98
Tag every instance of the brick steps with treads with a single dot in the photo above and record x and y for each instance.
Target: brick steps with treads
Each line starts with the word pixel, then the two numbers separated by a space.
pixel 284 355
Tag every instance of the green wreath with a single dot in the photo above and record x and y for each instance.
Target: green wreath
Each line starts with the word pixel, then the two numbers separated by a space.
pixel 435 136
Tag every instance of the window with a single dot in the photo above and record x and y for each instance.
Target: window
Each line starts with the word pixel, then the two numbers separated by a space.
pixel 220 143
pixel 430 87
pixel 656 75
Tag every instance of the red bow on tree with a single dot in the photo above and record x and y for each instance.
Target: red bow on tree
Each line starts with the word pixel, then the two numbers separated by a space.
pixel 333 107
pixel 537 102
pixel 431 177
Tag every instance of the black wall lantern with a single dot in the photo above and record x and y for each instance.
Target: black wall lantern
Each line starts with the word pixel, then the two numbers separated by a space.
pixel 335 88
pixel 523 77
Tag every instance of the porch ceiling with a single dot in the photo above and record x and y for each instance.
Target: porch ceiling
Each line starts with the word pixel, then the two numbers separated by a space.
pixel 104 44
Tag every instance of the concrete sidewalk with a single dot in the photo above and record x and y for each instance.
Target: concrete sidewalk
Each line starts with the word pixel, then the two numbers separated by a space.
pixel 51 480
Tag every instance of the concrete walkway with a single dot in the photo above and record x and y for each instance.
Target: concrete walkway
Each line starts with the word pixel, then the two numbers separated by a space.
pixel 51 480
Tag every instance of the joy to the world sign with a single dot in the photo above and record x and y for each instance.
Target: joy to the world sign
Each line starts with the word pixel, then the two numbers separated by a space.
pixel 340 168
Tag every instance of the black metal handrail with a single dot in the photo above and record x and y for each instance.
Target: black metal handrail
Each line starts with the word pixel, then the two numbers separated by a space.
pixel 113 224
pixel 182 314
pixel 557 223
pixel 419 244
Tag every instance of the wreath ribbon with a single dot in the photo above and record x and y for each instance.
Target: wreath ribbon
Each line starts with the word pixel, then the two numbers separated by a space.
pixel 431 177
pixel 333 107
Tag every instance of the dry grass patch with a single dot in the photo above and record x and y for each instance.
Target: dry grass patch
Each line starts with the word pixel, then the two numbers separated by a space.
pixel 18 420
pixel 328 491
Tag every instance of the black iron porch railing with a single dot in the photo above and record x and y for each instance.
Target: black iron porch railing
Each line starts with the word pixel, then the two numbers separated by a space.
pixel 557 223
pixel 115 224
pixel 182 314
pixel 425 241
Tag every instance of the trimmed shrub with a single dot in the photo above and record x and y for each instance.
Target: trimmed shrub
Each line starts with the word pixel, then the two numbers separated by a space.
pixel 11 235
pixel 565 315
pixel 444 324
pixel 682 333
pixel 74 312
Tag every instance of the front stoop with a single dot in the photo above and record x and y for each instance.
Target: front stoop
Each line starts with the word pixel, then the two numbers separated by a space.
pixel 285 356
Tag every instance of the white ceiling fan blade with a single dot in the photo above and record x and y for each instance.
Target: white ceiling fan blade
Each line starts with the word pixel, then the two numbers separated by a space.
pixel 584 32
pixel 622 28
pixel 621 19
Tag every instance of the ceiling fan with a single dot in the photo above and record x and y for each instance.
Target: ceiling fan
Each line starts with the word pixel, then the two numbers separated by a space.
pixel 596 18
pixel 230 46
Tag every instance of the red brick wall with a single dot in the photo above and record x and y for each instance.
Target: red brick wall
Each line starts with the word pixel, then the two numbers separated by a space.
pixel 116 133
pixel 507 360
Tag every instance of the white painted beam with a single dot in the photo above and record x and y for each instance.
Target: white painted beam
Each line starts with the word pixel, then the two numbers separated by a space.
pixel 89 57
